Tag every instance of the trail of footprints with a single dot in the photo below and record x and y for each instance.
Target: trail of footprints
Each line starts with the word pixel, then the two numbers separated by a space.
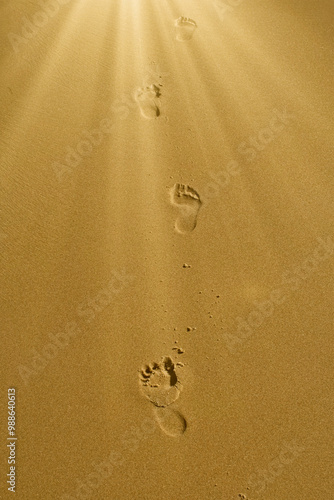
pixel 148 96
pixel 160 381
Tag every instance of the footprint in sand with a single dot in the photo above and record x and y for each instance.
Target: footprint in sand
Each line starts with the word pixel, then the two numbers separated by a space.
pixel 147 99
pixel 172 422
pixel 160 383
pixel 188 202
pixel 185 28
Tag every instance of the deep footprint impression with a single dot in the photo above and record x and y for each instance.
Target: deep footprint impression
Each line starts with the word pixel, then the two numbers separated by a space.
pixel 170 421
pixel 185 28
pixel 188 202
pixel 147 99
pixel 160 383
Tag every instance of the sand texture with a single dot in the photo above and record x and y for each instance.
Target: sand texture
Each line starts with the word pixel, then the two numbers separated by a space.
pixel 166 244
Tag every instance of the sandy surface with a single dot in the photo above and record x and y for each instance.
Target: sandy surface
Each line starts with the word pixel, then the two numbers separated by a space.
pixel 166 238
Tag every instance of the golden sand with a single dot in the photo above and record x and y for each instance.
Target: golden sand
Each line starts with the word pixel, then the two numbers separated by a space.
pixel 166 235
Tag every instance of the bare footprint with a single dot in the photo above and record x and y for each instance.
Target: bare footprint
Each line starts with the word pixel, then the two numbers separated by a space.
pixel 147 100
pixel 160 382
pixel 170 421
pixel 185 28
pixel 188 201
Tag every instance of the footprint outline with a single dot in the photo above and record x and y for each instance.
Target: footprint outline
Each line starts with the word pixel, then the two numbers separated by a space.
pixel 147 98
pixel 185 28
pixel 160 384
pixel 189 203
